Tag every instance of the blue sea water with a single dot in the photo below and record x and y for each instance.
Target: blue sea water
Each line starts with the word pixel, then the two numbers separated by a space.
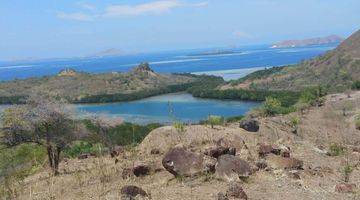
pixel 167 108
pixel 185 107
pixel 167 62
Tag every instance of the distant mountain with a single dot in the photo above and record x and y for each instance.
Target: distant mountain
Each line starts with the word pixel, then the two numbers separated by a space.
pixel 337 70
pixel 308 42
pixel 108 53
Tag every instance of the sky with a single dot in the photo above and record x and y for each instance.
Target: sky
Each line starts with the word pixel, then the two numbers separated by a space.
pixel 68 28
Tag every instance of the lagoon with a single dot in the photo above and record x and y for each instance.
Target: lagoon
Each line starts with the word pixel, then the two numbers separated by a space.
pixel 167 108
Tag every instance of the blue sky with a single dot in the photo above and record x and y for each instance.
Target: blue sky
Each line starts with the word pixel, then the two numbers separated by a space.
pixel 53 28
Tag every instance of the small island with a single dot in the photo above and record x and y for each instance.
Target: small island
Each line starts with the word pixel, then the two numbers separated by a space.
pixel 332 39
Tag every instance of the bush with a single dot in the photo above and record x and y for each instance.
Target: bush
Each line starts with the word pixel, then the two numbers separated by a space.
pixel 356 85
pixel 179 126
pixel 21 160
pixel 123 134
pixel 234 119
pixel 336 150
pixel 80 147
pixel 215 120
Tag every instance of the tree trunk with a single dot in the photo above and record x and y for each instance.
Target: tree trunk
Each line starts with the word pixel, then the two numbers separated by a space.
pixel 54 158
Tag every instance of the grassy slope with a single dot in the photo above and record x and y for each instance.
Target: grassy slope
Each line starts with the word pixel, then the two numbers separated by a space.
pixel 337 70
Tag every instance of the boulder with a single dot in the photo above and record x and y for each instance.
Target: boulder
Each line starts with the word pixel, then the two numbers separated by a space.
pixel 278 162
pixel 236 191
pixel 131 191
pixel 217 151
pixel 180 162
pixel 265 149
pixel 251 125
pixel 345 188
pixel 140 169
pixel 229 167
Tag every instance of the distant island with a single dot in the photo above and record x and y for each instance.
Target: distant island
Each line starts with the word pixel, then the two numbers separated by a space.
pixel 211 53
pixel 308 42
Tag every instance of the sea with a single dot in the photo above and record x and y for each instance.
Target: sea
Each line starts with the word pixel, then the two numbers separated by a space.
pixel 228 63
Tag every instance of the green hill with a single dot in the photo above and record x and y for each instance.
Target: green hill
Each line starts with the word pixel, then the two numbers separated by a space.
pixel 80 87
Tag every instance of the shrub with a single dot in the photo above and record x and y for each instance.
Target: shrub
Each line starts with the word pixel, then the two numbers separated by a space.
pixel 356 85
pixel 271 106
pixel 294 121
pixel 21 160
pixel 336 150
pixel 215 120
pixel 179 126
pixel 234 119
pixel 348 169
pixel 80 147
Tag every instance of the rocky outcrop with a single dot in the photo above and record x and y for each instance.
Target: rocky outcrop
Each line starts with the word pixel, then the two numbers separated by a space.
pixel 182 163
pixel 232 168
pixel 251 125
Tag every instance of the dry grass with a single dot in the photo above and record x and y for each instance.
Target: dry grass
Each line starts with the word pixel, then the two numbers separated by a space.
pixel 101 178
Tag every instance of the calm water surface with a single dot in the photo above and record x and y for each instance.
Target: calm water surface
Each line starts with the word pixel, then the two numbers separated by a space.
pixel 158 109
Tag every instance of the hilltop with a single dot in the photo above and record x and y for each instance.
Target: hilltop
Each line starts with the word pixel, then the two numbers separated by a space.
pixel 142 81
pixel 337 70
pixel 308 42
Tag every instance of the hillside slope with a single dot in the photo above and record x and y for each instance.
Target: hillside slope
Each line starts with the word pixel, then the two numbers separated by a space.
pixel 319 129
pixel 337 69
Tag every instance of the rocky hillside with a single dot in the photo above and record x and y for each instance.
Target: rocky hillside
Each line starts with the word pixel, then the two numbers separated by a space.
pixel 315 158
pixel 337 70
pixel 308 42
pixel 78 85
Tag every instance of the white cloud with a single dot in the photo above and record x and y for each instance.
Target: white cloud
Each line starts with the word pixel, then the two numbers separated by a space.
pixel 86 6
pixel 74 16
pixel 118 10
pixel 156 7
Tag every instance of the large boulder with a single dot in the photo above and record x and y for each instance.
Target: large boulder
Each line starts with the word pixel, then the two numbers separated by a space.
pixel 180 162
pixel 232 168
pixel 131 191
pixel 251 125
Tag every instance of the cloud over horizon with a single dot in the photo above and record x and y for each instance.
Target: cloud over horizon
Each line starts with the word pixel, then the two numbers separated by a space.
pixel 119 10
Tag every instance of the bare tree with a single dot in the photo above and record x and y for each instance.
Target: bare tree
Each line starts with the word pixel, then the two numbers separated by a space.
pixel 43 121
